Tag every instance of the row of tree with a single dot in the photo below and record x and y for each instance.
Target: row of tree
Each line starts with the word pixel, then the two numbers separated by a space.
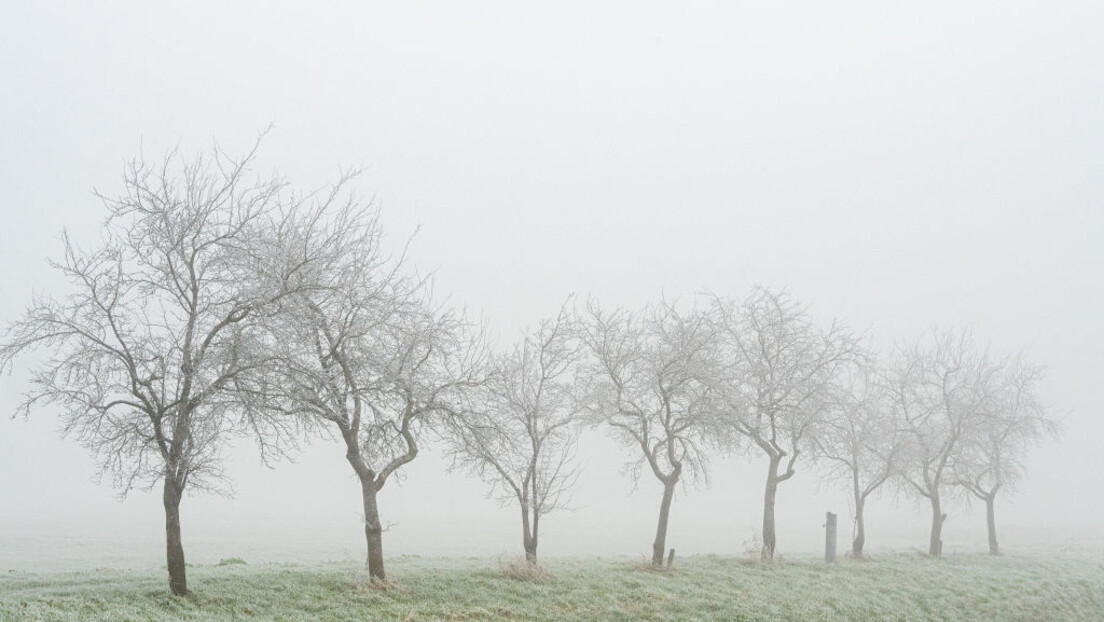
pixel 217 307
pixel 755 376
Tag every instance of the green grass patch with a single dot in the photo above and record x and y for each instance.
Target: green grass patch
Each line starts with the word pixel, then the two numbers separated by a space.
pixel 896 587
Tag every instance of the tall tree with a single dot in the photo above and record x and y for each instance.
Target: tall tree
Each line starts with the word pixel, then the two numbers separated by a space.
pixel 776 375
pixel 991 459
pixel 646 381
pixel 859 439
pixel 940 388
pixel 362 351
pixel 163 323
pixel 522 438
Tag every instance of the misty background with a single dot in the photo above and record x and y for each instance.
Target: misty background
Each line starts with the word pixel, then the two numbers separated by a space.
pixel 900 167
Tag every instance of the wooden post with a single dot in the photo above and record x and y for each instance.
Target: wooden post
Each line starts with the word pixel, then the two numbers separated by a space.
pixel 670 558
pixel 830 538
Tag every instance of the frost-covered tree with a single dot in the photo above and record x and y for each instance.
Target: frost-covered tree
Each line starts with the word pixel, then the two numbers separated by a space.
pixel 646 382
pixel 161 327
pixel 522 436
pixel 941 389
pixel 859 439
pixel 362 351
pixel 775 377
pixel 991 458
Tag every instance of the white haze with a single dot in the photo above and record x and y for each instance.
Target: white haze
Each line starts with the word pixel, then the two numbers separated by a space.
pixel 901 165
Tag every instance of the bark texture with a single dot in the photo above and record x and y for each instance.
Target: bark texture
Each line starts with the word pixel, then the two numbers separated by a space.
pixel 659 547
pixel 369 490
pixel 529 535
pixel 935 543
pixel 860 529
pixel 174 547
pixel 373 530
pixel 991 519
pixel 769 495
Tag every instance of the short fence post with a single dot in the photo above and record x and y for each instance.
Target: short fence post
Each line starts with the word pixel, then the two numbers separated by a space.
pixel 830 538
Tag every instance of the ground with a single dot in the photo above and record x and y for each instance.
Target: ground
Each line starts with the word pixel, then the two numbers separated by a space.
pixel 898 587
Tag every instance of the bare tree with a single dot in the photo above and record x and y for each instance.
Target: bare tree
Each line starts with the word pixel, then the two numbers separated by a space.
pixel 940 389
pixel 991 459
pixel 522 440
pixel 859 439
pixel 647 382
pixel 363 352
pixel 162 326
pixel 775 377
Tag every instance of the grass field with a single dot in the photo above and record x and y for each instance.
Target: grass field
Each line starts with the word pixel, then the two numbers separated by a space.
pixel 905 587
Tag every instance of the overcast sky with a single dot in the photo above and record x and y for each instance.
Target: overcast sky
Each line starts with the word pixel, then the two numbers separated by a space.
pixel 900 165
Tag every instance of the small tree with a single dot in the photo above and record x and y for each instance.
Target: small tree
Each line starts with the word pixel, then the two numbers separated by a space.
pixel 361 351
pixel 162 326
pixel 522 439
pixel 775 378
pixel 860 440
pixel 646 381
pixel 991 459
pixel 940 390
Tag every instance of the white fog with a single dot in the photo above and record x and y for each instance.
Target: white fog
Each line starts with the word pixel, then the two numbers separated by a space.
pixel 901 167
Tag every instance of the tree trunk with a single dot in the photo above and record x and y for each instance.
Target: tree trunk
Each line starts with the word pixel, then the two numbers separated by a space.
pixel 860 528
pixel 768 508
pixel 935 544
pixel 373 531
pixel 991 518
pixel 660 544
pixel 174 547
pixel 528 536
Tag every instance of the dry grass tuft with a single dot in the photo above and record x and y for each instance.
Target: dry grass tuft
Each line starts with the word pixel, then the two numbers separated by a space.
pixel 361 581
pixel 524 570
